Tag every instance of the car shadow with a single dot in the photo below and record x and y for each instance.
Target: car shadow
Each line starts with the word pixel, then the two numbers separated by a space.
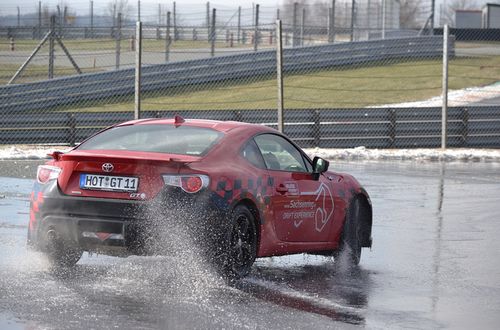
pixel 326 289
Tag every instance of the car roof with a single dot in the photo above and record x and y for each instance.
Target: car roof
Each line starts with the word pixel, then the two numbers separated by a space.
pixel 221 126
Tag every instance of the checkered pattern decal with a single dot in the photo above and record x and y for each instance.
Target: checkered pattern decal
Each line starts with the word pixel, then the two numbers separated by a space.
pixel 261 188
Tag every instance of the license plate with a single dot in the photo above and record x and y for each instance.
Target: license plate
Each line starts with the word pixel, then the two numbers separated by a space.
pixel 106 182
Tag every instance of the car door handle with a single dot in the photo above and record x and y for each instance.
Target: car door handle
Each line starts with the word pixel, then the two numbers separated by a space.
pixel 281 189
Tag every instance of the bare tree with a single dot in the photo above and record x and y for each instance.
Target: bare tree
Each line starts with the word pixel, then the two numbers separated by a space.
pixel 119 6
pixel 287 10
pixel 46 14
pixel 409 13
pixel 320 12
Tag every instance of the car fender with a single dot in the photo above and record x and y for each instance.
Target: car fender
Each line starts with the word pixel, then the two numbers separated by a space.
pixel 354 189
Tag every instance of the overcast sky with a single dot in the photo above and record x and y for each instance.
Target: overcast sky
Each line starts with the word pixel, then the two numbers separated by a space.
pixel 10 6
pixel 150 6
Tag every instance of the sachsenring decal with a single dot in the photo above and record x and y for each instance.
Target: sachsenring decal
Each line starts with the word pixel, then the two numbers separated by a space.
pixel 298 210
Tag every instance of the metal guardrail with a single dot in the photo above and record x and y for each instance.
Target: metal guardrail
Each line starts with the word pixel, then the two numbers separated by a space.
pixel 76 90
pixel 327 128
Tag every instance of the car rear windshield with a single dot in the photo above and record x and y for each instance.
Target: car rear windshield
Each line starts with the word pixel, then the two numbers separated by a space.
pixel 182 140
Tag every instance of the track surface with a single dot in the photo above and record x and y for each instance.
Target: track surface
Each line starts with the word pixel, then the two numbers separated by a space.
pixel 434 264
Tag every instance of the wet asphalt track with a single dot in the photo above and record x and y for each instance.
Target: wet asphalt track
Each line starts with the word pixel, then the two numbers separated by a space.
pixel 435 264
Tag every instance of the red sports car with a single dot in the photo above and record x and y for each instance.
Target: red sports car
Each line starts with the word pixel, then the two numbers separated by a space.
pixel 238 191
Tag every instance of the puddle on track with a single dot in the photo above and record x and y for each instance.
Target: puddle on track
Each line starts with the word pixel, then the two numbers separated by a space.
pixel 434 264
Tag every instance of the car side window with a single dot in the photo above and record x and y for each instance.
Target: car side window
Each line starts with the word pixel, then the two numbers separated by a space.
pixel 252 154
pixel 279 154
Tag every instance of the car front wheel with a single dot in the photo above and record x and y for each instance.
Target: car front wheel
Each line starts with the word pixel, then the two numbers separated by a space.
pixel 350 239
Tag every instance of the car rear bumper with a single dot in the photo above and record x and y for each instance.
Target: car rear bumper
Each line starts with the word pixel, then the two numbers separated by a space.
pixel 124 227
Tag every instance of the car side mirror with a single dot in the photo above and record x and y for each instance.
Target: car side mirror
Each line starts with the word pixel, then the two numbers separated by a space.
pixel 320 165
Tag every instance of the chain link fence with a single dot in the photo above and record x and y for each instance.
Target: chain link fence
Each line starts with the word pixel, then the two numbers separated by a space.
pixel 352 76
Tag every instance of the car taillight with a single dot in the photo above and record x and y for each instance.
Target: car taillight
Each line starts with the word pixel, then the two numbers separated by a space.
pixel 46 173
pixel 190 183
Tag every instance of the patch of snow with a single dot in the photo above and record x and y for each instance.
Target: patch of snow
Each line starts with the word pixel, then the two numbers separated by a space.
pixel 360 153
pixel 28 151
pixel 456 98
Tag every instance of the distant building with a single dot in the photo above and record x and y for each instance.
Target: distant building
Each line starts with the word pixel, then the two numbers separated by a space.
pixel 491 16
pixel 468 19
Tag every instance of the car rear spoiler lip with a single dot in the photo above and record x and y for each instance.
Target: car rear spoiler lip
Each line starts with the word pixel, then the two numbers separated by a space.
pixel 122 158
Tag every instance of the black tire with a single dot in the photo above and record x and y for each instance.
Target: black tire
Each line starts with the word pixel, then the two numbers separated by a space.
pixel 241 243
pixel 59 252
pixel 350 239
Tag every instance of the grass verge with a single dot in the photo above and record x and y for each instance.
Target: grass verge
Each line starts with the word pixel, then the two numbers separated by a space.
pixel 356 87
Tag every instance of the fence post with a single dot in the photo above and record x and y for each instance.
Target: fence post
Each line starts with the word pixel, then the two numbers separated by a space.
pixel 209 34
pixel 176 35
pixel 444 114
pixel 302 25
pixel 138 10
pixel 353 18
pixel 368 19
pixel 39 19
pixel 63 23
pixel 51 46
pixel 279 75
pixel 239 24
pixel 213 34
pixel 256 31
pixel 294 26
pixel 158 31
pixel 168 40
pixel 59 15
pixel 329 25
pixel 91 19
pixel 383 18
pixel 118 38
pixel 333 21
pixel 433 9
pixel 138 60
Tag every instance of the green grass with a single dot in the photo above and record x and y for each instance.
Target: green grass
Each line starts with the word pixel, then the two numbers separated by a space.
pixel 359 87
pixel 36 72
pixel 375 84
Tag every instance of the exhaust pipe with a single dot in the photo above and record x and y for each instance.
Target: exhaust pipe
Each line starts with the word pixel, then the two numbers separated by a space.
pixel 51 236
pixel 52 241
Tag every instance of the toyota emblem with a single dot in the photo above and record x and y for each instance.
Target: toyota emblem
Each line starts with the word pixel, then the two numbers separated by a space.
pixel 107 167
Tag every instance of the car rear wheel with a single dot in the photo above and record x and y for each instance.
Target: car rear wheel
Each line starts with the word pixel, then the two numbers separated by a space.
pixel 241 239
pixel 59 252
pixel 350 239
